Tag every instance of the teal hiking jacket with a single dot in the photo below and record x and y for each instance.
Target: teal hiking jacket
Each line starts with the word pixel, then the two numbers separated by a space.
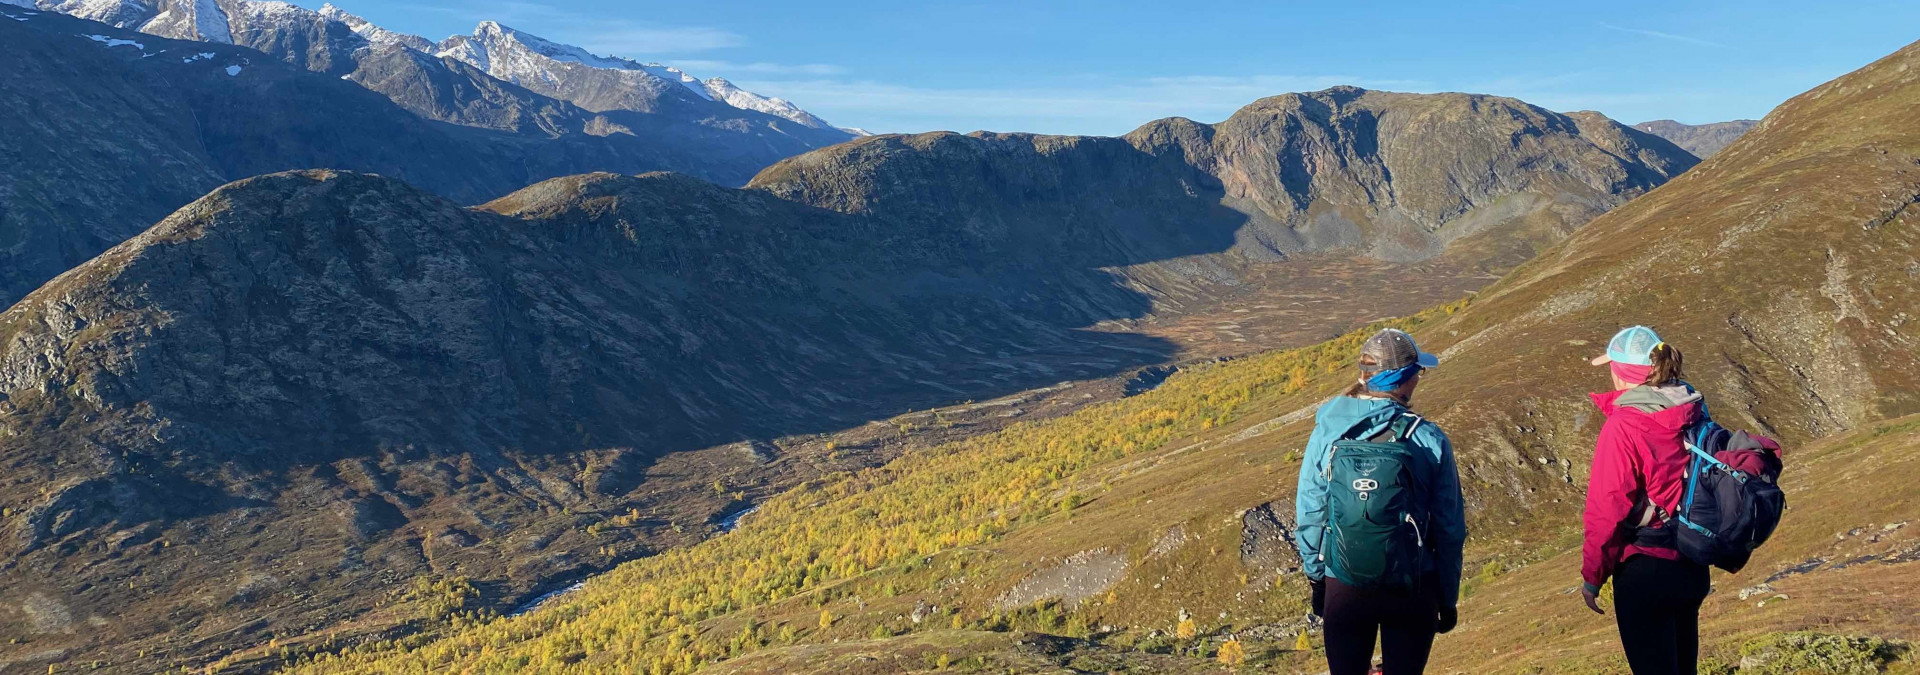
pixel 1351 417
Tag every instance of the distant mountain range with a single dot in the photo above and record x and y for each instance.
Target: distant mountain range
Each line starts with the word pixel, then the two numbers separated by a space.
pixel 1474 179
pixel 167 120
pixel 316 39
pixel 331 383
pixel 1703 140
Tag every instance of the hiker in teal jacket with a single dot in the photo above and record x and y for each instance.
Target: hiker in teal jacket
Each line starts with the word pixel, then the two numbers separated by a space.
pixel 1404 619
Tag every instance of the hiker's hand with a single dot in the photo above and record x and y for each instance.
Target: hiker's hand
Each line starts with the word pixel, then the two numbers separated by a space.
pixel 1319 597
pixel 1449 617
pixel 1592 598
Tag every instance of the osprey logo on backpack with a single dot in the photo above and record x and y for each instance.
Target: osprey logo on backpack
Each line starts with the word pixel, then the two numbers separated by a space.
pixel 1377 507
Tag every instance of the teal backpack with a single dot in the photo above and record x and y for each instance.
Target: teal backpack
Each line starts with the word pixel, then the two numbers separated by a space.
pixel 1377 508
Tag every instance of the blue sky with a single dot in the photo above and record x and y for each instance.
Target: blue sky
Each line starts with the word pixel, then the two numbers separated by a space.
pixel 1107 67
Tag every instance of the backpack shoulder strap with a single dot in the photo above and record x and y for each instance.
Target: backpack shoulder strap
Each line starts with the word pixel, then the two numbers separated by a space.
pixel 1400 430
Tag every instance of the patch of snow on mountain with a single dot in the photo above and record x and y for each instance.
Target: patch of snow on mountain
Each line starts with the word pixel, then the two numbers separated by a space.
pixel 495 34
pixel 725 91
pixel 116 13
pixel 274 12
pixel 202 56
pixel 375 34
pixel 211 22
pixel 190 20
pixel 857 131
pixel 462 48
pixel 529 60
pixel 114 42
pixel 18 3
pixel 672 74
pixel 233 71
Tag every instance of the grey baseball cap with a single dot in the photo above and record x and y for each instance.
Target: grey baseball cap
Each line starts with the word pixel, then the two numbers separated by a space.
pixel 1393 349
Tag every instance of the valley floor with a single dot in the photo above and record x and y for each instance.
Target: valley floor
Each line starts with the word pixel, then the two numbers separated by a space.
pixel 1141 535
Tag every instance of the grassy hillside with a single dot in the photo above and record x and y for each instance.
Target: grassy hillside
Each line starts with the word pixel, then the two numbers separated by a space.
pixel 1141 535
pixel 840 559
pixel 830 578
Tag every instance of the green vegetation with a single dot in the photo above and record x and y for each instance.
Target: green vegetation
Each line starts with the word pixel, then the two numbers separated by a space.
pixel 650 615
pixel 1799 652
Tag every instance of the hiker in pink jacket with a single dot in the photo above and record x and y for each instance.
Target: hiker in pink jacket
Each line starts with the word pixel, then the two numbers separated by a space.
pixel 1639 467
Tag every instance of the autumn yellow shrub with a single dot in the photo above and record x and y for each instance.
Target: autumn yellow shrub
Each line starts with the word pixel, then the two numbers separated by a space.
pixel 645 615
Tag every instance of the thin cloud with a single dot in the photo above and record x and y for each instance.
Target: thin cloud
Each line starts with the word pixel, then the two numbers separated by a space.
pixel 1661 35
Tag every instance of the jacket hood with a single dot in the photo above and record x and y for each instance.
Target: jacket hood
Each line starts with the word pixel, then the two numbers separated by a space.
pixel 1359 417
pixel 1653 409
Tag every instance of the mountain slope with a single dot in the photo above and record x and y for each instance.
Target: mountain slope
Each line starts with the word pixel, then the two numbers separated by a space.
pixel 726 135
pixel 1115 525
pixel 323 367
pixel 1401 177
pixel 164 121
pixel 1700 139
pixel 601 83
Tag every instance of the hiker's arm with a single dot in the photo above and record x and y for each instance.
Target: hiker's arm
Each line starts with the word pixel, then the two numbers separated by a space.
pixel 1449 519
pixel 1310 505
pixel 1610 496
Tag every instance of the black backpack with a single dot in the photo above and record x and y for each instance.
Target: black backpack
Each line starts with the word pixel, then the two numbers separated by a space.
pixel 1725 513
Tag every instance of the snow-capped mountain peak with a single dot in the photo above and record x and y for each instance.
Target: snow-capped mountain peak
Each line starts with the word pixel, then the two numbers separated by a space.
pixel 672 74
pixel 501 51
pixel 521 57
pixel 201 20
pixel 721 90
pixel 372 33
pixel 495 35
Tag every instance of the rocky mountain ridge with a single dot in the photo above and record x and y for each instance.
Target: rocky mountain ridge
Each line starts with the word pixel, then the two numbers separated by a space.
pixel 275 27
pixel 169 120
pixel 1703 140
pixel 1399 177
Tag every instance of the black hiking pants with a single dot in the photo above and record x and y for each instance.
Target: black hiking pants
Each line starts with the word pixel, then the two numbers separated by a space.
pixel 1404 621
pixel 1657 603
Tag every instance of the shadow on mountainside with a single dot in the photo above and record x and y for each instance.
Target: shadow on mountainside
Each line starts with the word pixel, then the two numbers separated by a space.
pixel 344 372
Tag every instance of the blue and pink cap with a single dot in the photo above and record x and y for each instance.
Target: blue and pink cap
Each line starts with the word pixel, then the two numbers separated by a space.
pixel 1630 353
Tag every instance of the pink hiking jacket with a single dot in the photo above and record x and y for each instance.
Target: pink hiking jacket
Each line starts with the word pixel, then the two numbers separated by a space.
pixel 1640 458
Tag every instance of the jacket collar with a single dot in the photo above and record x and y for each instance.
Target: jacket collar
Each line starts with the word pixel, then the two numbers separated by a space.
pixel 1674 419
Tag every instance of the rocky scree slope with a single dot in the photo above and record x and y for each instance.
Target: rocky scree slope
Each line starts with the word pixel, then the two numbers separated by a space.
pixel 1700 139
pixel 1402 177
